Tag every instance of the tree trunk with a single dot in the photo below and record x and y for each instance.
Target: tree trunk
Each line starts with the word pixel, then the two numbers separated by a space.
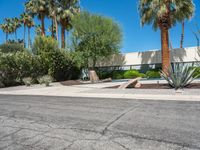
pixel 16 36
pixel 56 24
pixel 43 27
pixel 165 49
pixel 52 29
pixel 182 34
pixel 63 35
pixel 29 38
pixel 6 37
pixel 94 62
pixel 24 35
pixel 93 76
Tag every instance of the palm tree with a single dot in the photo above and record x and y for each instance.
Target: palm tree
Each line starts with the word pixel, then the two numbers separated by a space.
pixel 164 14
pixel 38 30
pixel 53 10
pixel 15 25
pixel 30 24
pixel 38 8
pixel 5 29
pixel 66 11
pixel 182 33
pixel 52 29
pixel 25 18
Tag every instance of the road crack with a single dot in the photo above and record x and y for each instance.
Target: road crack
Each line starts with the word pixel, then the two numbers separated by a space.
pixel 117 118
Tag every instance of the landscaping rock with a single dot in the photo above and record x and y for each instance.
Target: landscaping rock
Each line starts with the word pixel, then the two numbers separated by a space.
pixel 130 84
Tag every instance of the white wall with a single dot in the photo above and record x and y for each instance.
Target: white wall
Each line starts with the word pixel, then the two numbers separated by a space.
pixel 150 57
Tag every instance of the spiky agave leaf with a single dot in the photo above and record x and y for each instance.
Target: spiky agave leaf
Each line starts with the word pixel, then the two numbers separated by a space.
pixel 179 76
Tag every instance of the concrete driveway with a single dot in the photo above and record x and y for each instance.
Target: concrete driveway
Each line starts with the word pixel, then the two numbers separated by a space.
pixel 58 123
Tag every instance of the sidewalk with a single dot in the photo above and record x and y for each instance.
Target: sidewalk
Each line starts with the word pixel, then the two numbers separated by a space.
pixel 100 91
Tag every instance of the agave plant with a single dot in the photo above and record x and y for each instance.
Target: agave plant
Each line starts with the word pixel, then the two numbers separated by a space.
pixel 179 75
pixel 27 81
pixel 46 79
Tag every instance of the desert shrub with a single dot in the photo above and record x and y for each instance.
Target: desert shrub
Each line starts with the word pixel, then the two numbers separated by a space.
pixel 153 74
pixel 27 81
pixel 118 74
pixel 46 79
pixel 130 74
pixel 11 47
pixel 104 74
pixel 27 65
pixel 16 66
pixel 8 69
pixel 57 63
pixel 44 44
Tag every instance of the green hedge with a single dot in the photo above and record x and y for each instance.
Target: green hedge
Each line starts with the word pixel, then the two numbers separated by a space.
pixel 151 74
pixel 133 74
pixel 120 74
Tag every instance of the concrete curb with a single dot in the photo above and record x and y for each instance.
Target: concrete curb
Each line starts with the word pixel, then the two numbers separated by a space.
pixel 118 96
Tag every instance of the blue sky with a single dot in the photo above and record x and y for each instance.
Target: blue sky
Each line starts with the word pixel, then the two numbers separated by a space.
pixel 135 37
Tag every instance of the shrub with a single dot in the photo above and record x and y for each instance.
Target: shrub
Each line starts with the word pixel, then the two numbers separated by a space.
pixel 57 63
pixel 44 44
pixel 47 79
pixel 179 76
pixel 8 69
pixel 27 81
pixel 11 47
pixel 132 74
pixel 16 66
pixel 118 75
pixel 153 74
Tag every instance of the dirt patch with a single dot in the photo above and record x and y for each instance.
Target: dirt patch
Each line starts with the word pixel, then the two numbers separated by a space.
pixel 162 86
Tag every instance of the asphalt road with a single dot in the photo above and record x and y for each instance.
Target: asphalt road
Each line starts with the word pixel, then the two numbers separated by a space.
pixel 55 123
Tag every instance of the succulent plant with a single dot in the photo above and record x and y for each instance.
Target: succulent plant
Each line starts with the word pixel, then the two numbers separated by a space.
pixel 179 75
pixel 47 79
pixel 27 81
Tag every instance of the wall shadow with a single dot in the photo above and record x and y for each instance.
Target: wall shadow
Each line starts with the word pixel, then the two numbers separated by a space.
pixel 114 60
pixel 153 59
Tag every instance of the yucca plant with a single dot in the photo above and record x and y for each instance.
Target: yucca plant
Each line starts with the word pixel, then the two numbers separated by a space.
pixel 179 75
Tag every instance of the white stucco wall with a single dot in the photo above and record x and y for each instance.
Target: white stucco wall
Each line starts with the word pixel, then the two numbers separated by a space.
pixel 150 57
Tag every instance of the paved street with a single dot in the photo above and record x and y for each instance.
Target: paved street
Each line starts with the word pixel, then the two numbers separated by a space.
pixel 61 123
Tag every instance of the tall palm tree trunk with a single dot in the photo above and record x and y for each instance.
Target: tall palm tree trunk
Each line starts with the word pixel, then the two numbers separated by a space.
pixel 16 36
pixel 43 27
pixel 165 49
pixel 52 29
pixel 56 24
pixel 63 35
pixel 182 34
pixel 6 37
pixel 24 35
pixel 29 38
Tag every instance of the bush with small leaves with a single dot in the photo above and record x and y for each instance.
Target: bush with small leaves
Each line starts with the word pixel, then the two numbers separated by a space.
pixel 151 74
pixel 130 74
